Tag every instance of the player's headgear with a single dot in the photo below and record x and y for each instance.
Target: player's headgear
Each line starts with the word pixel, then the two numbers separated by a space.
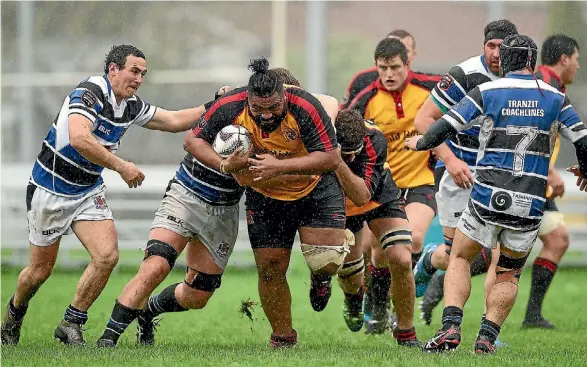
pixel 499 29
pixel 350 131
pixel 517 52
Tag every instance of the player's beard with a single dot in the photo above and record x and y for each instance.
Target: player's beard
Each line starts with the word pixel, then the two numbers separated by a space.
pixel 270 125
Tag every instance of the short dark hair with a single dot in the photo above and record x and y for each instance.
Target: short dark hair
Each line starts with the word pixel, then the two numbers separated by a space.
pixel 555 46
pixel 401 34
pixel 499 29
pixel 264 82
pixel 350 129
pixel 285 76
pixel 118 56
pixel 388 48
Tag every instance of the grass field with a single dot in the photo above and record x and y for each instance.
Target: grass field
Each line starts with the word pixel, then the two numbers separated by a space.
pixel 219 335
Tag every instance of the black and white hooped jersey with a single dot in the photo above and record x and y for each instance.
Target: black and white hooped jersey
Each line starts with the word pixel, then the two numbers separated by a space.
pixel 520 120
pixel 209 185
pixel 60 168
pixel 451 89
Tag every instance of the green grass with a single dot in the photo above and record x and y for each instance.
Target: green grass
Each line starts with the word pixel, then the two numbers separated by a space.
pixel 219 335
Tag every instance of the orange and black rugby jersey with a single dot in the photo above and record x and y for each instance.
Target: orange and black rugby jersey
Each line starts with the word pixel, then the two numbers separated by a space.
pixel 370 164
pixel 305 129
pixel 364 78
pixel 394 114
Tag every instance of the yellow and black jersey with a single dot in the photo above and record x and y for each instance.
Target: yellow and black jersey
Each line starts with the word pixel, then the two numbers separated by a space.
pixel 370 164
pixel 305 129
pixel 394 114
pixel 366 77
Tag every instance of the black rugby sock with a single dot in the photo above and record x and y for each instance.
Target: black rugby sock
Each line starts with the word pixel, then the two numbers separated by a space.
pixel 120 318
pixel 543 272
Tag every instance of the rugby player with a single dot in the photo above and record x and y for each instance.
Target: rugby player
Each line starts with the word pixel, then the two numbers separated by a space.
pixel 199 213
pixel 66 192
pixel 560 62
pixel 292 134
pixel 457 157
pixel 521 118
pixel 373 197
pixel 392 102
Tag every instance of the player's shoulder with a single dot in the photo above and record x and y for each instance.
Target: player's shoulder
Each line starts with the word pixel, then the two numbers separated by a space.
pixel 230 103
pixel 374 133
pixel 98 85
pixel 364 77
pixel 474 64
pixel 544 73
pixel 300 97
pixel 425 80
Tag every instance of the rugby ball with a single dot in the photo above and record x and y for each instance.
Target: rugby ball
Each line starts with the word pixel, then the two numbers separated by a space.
pixel 230 138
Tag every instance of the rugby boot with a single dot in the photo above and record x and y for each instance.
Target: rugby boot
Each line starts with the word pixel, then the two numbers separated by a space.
pixel 146 327
pixel 537 323
pixel 407 338
pixel 432 297
pixel 105 343
pixel 69 333
pixel 421 276
pixel 484 346
pixel 11 328
pixel 352 311
pixel 444 340
pixel 283 341
pixel 320 291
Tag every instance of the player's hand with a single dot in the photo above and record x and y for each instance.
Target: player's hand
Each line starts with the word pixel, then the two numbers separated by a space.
pixel 237 161
pixel 265 167
pixel 131 174
pixel 460 173
pixel 410 143
pixel 222 91
pixel 556 183
pixel 581 179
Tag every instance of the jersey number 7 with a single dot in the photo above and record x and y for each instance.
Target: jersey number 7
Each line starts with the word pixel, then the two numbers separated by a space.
pixel 529 133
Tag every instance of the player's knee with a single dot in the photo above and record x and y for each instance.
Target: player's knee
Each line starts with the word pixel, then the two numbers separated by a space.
pixel 163 251
pixel 107 260
pixel 324 260
pixel 203 282
pixel 272 269
pixel 558 241
pixel 39 273
pixel 400 259
pixel 509 269
pixel 352 268
pixel 418 239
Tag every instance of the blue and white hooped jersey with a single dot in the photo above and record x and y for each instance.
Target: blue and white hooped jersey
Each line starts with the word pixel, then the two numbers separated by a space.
pixel 60 168
pixel 451 89
pixel 520 119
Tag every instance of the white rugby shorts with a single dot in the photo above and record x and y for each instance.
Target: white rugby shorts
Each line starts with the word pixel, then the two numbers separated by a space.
pixel 182 212
pixel 50 216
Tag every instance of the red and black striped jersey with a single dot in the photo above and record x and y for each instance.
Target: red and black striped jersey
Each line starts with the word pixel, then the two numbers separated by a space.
pixel 305 129
pixel 370 164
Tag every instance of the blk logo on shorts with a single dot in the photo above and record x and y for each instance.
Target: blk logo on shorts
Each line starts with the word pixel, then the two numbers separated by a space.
pixel 223 249
pixel 100 202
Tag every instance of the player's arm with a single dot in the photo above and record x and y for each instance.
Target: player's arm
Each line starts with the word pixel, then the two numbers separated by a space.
pixel 175 121
pixel 317 134
pixel 329 103
pixel 448 91
pixel 458 119
pixel 182 120
pixel 359 185
pixel 198 142
pixel 573 129
pixel 246 178
pixel 84 107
